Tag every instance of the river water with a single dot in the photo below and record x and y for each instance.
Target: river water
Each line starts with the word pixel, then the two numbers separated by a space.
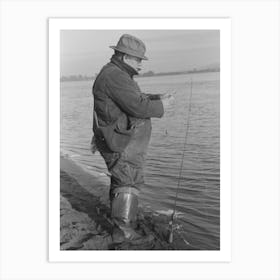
pixel 198 202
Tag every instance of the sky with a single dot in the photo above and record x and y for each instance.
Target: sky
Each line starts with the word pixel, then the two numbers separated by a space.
pixel 86 51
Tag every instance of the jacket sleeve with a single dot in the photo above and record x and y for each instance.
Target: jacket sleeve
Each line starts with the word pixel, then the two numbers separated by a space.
pixel 126 94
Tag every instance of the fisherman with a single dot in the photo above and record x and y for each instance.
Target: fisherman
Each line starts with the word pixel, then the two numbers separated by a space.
pixel 122 130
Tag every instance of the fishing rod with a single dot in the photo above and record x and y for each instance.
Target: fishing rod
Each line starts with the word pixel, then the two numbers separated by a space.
pixel 170 239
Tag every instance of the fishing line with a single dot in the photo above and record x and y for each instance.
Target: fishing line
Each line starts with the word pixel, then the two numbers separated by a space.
pixel 170 239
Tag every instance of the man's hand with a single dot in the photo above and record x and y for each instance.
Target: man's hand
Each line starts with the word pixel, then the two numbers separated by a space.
pixel 168 102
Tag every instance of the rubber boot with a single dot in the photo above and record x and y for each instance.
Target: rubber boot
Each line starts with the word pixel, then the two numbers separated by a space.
pixel 124 215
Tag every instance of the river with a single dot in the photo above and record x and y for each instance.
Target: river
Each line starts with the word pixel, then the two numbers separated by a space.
pixel 198 203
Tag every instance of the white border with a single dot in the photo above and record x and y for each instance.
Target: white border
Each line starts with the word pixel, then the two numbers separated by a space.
pixel 55 25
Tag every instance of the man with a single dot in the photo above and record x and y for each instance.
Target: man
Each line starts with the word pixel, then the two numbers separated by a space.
pixel 122 130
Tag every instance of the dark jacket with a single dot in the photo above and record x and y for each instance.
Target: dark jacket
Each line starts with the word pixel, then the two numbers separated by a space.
pixel 118 98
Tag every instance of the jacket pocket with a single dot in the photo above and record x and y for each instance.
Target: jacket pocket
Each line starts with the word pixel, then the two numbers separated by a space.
pixel 116 136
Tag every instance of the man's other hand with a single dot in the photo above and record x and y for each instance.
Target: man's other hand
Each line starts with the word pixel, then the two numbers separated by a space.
pixel 168 101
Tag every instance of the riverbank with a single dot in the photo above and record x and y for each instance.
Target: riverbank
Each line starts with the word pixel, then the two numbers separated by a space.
pixel 85 215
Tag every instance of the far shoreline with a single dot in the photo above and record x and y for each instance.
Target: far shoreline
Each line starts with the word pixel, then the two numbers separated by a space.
pixel 79 78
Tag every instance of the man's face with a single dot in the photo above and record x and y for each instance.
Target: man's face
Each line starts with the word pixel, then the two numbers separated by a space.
pixel 134 62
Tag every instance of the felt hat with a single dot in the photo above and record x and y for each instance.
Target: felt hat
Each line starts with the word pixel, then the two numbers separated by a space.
pixel 131 45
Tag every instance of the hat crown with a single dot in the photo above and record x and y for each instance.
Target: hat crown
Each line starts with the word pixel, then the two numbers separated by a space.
pixel 131 45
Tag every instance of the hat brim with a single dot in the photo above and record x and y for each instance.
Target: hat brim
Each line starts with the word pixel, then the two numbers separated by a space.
pixel 128 52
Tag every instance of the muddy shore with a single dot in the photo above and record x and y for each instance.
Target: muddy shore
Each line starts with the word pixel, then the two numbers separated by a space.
pixel 85 215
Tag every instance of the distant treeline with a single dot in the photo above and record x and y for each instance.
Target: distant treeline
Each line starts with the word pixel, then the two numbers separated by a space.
pixel 72 78
pixel 151 73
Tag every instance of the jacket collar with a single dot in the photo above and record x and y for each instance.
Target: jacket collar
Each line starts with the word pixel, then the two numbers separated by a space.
pixel 123 66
